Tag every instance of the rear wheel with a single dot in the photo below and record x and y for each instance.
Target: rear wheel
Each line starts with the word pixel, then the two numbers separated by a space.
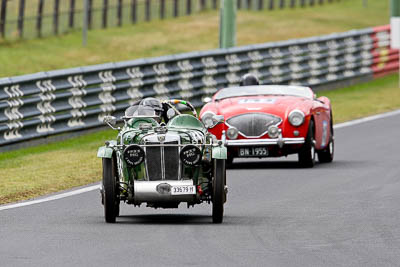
pixel 326 155
pixel 219 196
pixel 307 153
pixel 110 190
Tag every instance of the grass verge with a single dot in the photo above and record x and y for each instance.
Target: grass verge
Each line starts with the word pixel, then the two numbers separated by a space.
pixel 44 169
pixel 365 99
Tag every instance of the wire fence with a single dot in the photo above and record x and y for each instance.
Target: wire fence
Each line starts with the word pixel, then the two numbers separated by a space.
pixel 38 18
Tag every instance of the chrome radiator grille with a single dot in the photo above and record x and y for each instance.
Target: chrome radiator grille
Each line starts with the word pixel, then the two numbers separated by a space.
pixel 171 162
pixel 253 124
pixel 162 163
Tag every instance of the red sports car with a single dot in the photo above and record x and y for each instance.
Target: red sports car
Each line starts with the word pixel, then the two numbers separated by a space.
pixel 272 121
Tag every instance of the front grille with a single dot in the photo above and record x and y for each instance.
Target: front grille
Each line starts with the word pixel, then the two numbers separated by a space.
pixel 153 162
pixel 162 163
pixel 253 124
pixel 171 159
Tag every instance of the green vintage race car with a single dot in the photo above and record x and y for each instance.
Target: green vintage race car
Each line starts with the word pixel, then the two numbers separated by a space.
pixel 162 157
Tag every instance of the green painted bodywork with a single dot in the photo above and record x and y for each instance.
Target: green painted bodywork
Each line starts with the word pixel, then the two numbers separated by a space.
pixel 188 129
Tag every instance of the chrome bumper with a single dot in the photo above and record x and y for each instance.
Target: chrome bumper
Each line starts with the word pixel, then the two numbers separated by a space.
pixel 148 191
pixel 263 142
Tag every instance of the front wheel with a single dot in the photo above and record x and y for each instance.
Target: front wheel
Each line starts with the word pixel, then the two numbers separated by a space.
pixel 110 190
pixel 229 162
pixel 307 153
pixel 219 195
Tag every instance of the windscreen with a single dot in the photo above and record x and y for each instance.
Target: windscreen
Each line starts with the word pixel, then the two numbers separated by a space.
pixel 299 91
pixel 141 109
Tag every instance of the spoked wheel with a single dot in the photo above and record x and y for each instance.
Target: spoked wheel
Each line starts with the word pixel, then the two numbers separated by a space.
pixel 110 190
pixel 219 195
pixel 326 155
pixel 307 153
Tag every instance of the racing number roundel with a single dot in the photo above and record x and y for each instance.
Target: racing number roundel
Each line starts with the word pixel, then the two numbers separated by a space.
pixel 133 155
pixel 190 155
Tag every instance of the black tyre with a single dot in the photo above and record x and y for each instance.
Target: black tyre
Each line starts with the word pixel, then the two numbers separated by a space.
pixel 307 153
pixel 326 155
pixel 219 195
pixel 229 162
pixel 110 190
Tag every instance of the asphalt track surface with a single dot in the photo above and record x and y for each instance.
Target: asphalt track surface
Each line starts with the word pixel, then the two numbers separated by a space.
pixel 346 213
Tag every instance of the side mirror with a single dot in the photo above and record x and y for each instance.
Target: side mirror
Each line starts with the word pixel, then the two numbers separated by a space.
pixel 110 120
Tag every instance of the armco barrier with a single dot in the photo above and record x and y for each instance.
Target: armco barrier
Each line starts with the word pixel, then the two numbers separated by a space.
pixel 48 103
pixel 386 60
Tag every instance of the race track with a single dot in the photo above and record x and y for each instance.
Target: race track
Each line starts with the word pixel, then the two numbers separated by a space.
pixel 346 213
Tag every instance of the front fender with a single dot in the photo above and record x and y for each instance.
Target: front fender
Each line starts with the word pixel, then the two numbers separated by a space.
pixel 105 152
pixel 219 152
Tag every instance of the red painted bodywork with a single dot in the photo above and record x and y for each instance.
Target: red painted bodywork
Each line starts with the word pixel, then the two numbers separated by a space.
pixel 317 109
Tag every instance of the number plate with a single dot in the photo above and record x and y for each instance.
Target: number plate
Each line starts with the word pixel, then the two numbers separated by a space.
pixel 183 190
pixel 253 152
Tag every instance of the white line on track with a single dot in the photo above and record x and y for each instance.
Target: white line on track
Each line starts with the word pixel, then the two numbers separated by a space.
pixel 366 119
pixel 50 198
pixel 94 187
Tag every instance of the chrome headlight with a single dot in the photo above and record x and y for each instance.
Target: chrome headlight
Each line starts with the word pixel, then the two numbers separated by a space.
pixel 232 133
pixel 296 117
pixel 210 120
pixel 273 131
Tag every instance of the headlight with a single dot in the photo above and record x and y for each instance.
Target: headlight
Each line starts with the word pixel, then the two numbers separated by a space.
pixel 232 133
pixel 296 117
pixel 190 155
pixel 133 155
pixel 273 131
pixel 209 119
